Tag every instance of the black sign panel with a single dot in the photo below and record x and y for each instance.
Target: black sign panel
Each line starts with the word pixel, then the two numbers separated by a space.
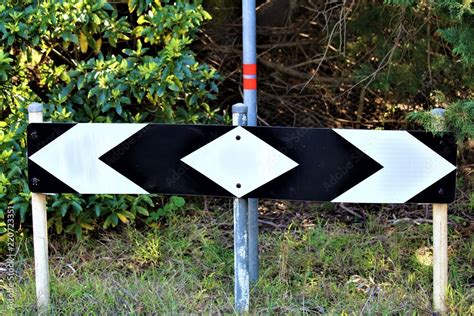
pixel 337 165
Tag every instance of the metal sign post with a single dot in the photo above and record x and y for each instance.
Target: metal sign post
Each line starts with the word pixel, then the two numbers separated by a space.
pixel 241 246
pixel 249 47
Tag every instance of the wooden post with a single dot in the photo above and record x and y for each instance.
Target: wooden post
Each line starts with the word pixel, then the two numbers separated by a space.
pixel 440 257
pixel 440 239
pixel 40 231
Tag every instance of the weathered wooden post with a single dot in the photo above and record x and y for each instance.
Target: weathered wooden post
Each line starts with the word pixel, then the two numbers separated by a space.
pixel 440 241
pixel 440 257
pixel 40 229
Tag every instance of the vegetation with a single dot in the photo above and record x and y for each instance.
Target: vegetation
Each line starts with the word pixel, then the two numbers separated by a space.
pixel 459 116
pixel 91 61
pixel 311 265
pixel 359 64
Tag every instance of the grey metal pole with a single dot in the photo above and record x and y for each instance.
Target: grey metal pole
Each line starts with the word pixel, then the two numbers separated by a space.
pixel 253 240
pixel 250 99
pixel 40 231
pixel 241 247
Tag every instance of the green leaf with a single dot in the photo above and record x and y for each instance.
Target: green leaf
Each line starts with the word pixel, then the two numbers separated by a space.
pixel 97 210
pixel 78 231
pixel 141 20
pixel 108 6
pixel 66 90
pixel 88 111
pixel 23 209
pixel 178 201
pixel 142 211
pixel 73 39
pixel 118 109
pixel 63 209
pixel 172 86
pixel 76 206
pixel 80 82
pixel 106 107
pixel 83 43
pixel 125 100
pixel 123 218
pixel 96 19
pixel 161 91
pixel 109 220
pixel 56 203
pixel 206 15
pixel 148 200
pixel 193 99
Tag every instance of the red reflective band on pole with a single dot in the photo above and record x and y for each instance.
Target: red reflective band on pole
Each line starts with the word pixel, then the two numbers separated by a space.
pixel 250 69
pixel 250 83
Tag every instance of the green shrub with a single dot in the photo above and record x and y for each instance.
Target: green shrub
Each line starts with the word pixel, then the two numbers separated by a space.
pixel 92 61
pixel 455 22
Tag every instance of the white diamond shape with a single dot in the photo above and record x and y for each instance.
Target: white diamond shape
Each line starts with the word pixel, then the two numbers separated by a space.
pixel 239 158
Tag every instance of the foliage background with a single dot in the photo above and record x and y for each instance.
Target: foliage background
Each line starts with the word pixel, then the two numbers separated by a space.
pixel 91 61
pixel 359 64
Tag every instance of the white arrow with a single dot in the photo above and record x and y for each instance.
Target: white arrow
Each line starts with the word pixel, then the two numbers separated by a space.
pixel 73 158
pixel 409 166
pixel 239 161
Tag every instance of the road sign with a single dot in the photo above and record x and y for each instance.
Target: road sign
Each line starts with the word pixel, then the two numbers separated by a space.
pixel 337 165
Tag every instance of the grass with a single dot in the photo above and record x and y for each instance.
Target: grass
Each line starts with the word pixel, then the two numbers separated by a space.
pixel 307 267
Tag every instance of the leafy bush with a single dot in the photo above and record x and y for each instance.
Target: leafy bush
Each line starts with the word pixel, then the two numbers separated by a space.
pixel 458 118
pixel 455 22
pixel 93 61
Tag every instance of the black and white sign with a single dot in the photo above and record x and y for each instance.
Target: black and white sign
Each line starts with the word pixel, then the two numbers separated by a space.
pixel 337 165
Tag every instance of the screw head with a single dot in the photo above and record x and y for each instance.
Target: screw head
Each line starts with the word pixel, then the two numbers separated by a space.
pixel 238 185
pixel 440 191
pixel 34 135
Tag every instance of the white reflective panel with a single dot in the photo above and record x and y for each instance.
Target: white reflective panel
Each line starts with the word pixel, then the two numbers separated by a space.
pixel 239 161
pixel 73 158
pixel 409 166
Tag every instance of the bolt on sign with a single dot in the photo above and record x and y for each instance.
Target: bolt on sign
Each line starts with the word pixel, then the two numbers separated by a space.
pixel 335 165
